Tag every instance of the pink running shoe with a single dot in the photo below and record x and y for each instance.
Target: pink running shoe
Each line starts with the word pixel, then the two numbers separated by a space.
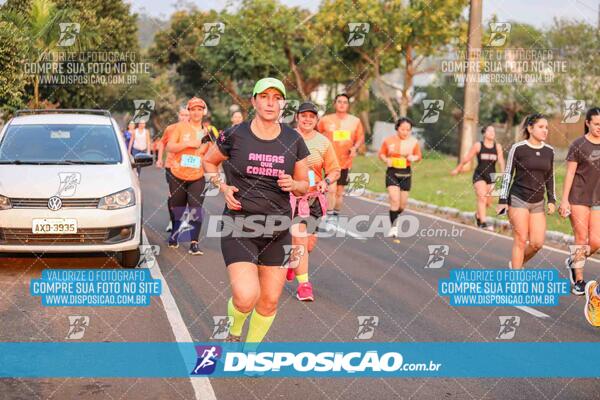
pixel 291 274
pixel 305 292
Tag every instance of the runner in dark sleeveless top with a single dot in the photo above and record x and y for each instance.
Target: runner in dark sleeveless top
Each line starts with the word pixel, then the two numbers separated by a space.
pixel 488 153
pixel 486 163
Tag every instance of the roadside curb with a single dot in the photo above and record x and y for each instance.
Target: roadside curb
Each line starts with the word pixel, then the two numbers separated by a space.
pixel 468 217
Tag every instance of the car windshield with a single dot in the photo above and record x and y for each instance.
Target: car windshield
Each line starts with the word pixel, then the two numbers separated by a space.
pixel 59 144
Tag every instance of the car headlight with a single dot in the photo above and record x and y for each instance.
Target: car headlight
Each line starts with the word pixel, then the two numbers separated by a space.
pixel 5 203
pixel 123 199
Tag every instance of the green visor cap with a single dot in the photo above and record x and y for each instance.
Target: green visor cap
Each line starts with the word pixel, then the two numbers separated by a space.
pixel 266 83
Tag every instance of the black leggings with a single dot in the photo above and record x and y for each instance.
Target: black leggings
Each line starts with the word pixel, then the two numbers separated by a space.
pixel 185 203
pixel 169 207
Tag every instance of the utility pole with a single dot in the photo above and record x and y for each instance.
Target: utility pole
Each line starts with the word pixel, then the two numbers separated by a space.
pixel 471 102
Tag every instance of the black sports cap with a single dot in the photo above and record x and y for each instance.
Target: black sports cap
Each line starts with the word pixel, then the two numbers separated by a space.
pixel 308 106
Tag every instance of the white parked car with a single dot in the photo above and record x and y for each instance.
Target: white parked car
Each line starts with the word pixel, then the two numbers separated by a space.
pixel 68 185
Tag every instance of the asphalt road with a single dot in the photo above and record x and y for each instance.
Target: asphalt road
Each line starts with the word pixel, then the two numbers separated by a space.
pixel 352 277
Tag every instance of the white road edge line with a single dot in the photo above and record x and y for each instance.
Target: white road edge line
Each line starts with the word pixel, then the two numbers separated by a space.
pixel 203 390
pixel 529 310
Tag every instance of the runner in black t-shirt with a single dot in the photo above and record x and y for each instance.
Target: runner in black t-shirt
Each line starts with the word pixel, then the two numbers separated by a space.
pixel 531 163
pixel 581 198
pixel 488 152
pixel 263 162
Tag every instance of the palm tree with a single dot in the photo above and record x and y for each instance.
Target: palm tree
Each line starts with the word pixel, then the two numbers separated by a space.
pixel 40 26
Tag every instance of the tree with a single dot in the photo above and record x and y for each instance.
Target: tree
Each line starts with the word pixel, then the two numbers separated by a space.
pixel 12 80
pixel 412 31
pixel 38 24
pixel 246 51
pixel 112 28
pixel 513 99
pixel 105 25
pixel 579 44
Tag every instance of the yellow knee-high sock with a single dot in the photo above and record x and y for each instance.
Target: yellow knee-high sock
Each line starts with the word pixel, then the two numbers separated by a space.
pixel 238 318
pixel 302 278
pixel 259 326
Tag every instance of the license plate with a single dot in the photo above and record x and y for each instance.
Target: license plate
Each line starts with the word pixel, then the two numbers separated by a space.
pixel 52 226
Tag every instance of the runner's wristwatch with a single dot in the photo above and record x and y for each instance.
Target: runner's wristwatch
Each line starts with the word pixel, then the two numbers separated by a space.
pixel 328 181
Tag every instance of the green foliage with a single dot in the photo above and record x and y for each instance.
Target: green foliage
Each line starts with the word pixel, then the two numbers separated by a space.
pixel 579 44
pixel 12 81
pixel 105 25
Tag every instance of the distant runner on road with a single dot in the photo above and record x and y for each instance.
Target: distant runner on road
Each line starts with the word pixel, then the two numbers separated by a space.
pixel 399 152
pixel 488 153
pixel 188 142
pixel 347 134
pixel 182 116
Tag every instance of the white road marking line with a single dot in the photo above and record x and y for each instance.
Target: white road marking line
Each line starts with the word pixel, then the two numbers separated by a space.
pixel 343 231
pixel 533 311
pixel 528 310
pixel 203 390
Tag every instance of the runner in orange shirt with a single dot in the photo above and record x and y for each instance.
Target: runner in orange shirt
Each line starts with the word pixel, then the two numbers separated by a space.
pixel 182 116
pixel 347 134
pixel 399 151
pixel 313 205
pixel 188 142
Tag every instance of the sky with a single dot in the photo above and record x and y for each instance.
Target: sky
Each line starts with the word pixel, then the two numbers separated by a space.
pixel 539 13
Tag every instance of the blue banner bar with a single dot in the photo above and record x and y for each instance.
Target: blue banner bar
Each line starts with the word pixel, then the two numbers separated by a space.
pixel 305 359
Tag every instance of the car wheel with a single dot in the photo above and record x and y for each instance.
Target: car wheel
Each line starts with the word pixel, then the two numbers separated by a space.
pixel 130 258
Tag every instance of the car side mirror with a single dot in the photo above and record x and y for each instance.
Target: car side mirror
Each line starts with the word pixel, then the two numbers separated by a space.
pixel 142 160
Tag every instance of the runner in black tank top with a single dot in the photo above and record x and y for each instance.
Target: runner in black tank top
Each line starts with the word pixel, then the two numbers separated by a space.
pixel 486 165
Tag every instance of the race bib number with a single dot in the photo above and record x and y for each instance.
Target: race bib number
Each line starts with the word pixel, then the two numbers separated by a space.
pixel 341 135
pixel 311 178
pixel 190 161
pixel 399 162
